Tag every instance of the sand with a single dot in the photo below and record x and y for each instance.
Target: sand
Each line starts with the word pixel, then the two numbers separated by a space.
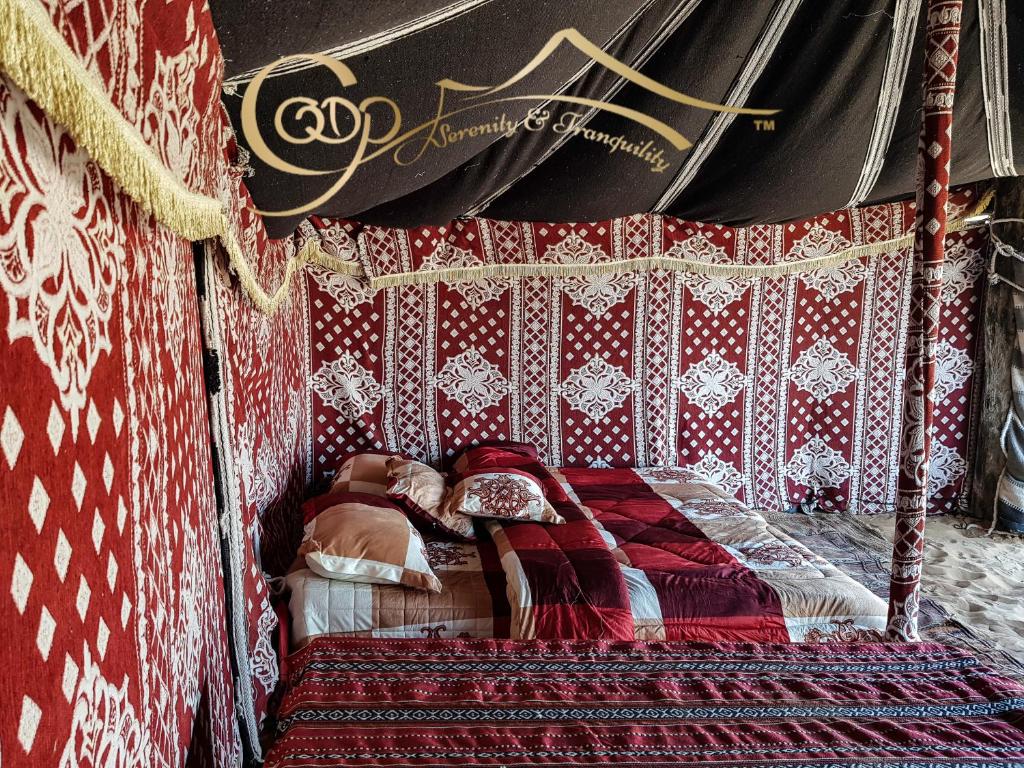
pixel 979 579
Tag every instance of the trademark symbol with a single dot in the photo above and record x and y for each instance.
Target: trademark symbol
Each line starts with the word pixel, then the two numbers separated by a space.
pixel 764 125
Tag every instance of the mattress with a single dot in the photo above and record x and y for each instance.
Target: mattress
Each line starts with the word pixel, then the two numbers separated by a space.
pixel 543 702
pixel 818 602
pixel 648 554
pixel 472 602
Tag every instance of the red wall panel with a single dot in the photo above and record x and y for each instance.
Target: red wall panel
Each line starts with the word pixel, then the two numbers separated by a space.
pixel 262 435
pixel 109 557
pixel 771 386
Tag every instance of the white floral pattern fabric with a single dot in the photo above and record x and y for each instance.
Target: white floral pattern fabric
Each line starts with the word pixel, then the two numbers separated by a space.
pixel 597 388
pixel 473 381
pixel 719 472
pixel 833 282
pixel 60 249
pixel 822 370
pixel 818 242
pixel 960 270
pixel 711 383
pixel 953 367
pixel 348 387
pixel 818 465
pixel 698 248
pixel 573 249
pixel 598 293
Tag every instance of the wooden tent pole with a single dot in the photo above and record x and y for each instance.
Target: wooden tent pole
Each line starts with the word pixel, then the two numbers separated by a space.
pixel 941 47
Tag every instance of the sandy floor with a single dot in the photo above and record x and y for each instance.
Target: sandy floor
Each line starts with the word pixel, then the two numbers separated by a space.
pixel 979 579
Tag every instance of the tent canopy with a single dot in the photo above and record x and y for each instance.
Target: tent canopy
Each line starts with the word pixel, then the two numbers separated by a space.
pixel 842 80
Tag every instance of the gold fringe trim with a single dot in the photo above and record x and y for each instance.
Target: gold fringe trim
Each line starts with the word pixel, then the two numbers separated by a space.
pixel 269 303
pixel 467 274
pixel 36 57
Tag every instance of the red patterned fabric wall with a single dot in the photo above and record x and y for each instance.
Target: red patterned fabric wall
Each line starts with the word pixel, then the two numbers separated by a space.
pixel 110 556
pixel 771 386
pixel 110 563
pixel 160 65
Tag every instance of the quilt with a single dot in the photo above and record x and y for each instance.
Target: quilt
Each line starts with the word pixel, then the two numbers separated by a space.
pixel 512 703
pixel 471 603
pixel 663 554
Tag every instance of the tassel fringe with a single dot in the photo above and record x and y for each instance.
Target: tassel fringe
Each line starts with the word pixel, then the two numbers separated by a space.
pixel 669 264
pixel 36 57
pixel 268 303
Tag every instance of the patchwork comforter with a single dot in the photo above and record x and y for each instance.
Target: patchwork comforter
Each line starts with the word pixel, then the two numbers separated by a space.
pixel 646 554
pixel 663 554
pixel 525 703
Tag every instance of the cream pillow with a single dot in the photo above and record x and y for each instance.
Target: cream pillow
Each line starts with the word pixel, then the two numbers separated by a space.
pixel 371 544
pixel 420 490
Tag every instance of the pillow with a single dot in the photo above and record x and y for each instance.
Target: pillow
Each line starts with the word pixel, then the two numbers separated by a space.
pixel 420 490
pixel 494 453
pixel 515 456
pixel 314 506
pixel 363 473
pixel 507 494
pixel 367 543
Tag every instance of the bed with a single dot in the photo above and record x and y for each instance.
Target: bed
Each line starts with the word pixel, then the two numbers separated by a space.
pixel 555 702
pixel 645 554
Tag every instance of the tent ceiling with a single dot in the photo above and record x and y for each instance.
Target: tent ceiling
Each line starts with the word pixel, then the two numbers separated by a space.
pixel 845 77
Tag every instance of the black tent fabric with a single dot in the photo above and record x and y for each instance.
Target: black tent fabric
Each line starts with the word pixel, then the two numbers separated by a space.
pixel 842 80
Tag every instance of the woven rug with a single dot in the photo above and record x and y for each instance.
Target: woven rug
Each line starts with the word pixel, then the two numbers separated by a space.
pixel 523 703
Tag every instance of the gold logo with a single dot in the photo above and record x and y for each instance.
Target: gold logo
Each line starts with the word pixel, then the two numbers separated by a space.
pixel 301 120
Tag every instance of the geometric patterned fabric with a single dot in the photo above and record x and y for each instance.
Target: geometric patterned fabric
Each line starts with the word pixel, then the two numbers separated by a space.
pixel 772 386
pixel 110 561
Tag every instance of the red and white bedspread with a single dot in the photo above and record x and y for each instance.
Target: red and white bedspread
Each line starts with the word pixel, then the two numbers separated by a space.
pixel 391 703
pixel 663 554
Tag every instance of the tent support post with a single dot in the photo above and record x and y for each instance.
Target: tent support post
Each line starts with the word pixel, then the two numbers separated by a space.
pixel 942 38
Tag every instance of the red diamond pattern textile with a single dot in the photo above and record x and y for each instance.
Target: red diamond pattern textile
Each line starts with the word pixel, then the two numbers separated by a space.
pixel 770 386
pixel 105 433
pixel 112 585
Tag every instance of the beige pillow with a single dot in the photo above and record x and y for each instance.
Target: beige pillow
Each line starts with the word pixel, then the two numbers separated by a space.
pixel 420 491
pixel 370 544
pixel 363 473
pixel 507 494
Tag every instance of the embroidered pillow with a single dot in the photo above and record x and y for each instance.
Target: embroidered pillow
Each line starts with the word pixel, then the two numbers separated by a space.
pixel 367 543
pixel 506 494
pixel 363 473
pixel 420 490
pixel 505 455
